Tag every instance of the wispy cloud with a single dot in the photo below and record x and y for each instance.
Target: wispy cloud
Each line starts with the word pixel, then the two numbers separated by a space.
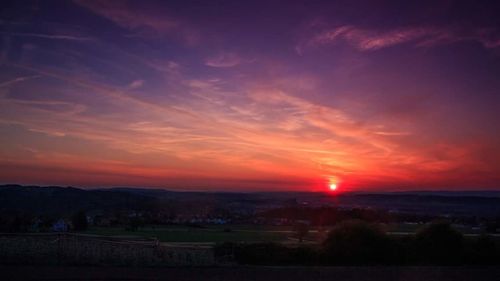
pixel 372 39
pixel 136 84
pixel 144 21
pixel 265 133
pixel 49 36
pixel 225 59
pixel 17 80
pixel 124 14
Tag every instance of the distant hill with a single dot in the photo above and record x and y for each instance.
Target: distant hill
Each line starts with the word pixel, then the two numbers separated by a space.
pixel 53 199
pixel 58 200
pixel 442 203
pixel 466 193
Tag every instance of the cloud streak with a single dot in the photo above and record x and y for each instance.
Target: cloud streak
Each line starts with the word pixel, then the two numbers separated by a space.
pixel 371 39
pixel 143 21
pixel 225 59
pixel 49 36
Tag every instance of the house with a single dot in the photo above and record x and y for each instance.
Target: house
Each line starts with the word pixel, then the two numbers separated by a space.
pixel 60 226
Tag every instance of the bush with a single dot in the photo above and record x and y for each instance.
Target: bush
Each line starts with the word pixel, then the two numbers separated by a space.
pixel 361 243
pixel 134 224
pixel 79 221
pixel 482 250
pixel 439 243
pixel 357 242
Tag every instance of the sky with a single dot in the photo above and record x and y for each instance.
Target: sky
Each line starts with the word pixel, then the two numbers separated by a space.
pixel 251 95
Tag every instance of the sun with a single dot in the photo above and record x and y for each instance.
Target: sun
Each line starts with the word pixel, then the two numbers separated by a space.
pixel 332 183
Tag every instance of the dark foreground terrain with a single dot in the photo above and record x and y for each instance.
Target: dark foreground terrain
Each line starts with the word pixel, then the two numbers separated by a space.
pixel 251 273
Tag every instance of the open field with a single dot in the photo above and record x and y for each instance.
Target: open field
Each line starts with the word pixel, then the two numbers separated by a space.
pixel 192 234
pixel 240 233
pixel 244 273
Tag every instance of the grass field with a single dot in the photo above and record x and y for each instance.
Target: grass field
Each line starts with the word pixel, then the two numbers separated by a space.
pixel 236 233
pixel 191 234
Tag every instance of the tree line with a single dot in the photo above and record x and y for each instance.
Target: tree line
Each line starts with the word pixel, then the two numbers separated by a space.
pixel 355 242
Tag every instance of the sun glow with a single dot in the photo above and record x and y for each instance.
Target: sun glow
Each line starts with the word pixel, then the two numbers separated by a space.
pixel 333 186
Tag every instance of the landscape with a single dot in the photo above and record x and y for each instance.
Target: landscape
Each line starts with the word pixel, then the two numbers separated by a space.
pixel 152 228
pixel 249 140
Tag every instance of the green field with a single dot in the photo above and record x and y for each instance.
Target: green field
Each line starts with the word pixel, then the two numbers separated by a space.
pixel 191 234
pixel 235 233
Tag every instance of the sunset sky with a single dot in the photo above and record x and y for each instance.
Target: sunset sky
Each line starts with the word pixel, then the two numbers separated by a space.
pixel 249 95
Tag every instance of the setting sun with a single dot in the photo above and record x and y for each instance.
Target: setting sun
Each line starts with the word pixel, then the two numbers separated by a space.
pixel 333 186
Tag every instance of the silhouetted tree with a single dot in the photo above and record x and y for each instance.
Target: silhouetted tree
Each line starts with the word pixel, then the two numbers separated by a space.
pixel 134 224
pixel 79 221
pixel 439 243
pixel 17 222
pixel 357 242
pixel 491 226
pixel 484 251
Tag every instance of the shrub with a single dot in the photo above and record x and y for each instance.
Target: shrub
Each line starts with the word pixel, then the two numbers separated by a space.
pixel 357 242
pixel 79 221
pixel 482 250
pixel 439 243
pixel 134 224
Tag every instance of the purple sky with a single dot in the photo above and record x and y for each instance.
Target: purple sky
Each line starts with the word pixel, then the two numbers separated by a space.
pixel 250 95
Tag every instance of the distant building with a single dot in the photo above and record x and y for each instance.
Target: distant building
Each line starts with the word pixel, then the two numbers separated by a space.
pixel 60 226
